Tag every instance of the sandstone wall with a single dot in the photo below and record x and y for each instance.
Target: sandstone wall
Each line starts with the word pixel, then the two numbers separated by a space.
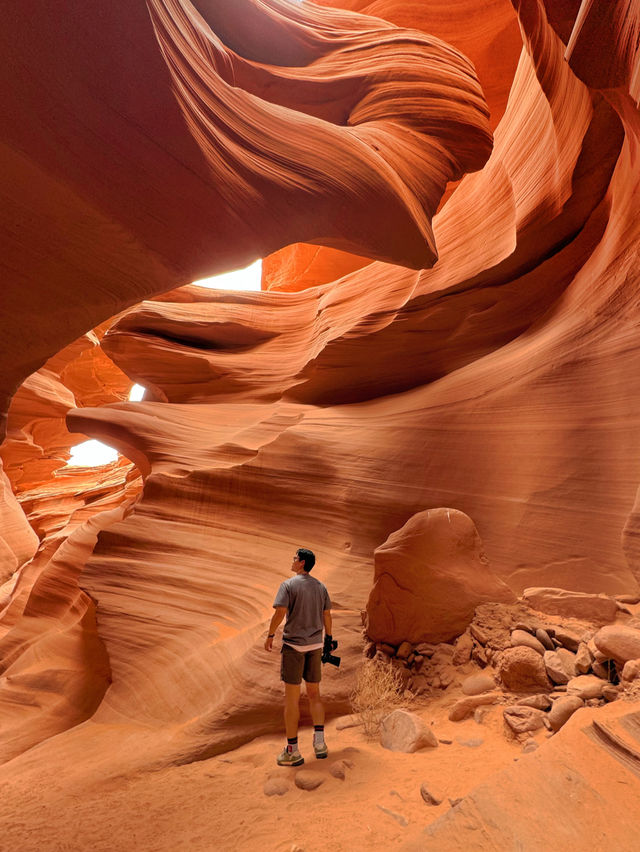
pixel 485 359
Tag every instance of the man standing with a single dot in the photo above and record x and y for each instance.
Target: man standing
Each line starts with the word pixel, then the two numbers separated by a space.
pixel 305 602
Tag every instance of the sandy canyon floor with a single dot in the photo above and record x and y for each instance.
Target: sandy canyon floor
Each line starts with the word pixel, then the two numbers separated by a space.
pixel 220 804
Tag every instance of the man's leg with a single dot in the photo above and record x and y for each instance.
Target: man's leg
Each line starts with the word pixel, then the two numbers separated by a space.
pixel 315 703
pixel 291 709
pixel 317 714
pixel 291 674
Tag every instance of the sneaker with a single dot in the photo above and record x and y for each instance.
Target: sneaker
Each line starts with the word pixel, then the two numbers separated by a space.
pixel 321 750
pixel 293 758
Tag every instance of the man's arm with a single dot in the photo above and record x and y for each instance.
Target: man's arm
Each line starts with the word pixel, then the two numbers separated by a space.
pixel 278 615
pixel 326 616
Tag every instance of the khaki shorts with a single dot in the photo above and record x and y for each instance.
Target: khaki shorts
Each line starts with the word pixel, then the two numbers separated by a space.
pixel 295 665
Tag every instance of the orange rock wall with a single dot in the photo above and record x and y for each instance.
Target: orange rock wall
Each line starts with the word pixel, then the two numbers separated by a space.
pixel 498 378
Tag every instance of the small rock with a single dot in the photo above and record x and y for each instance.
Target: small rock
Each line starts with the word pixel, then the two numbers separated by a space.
pixel 540 701
pixel 522 719
pixel 276 786
pixel 404 649
pixel 568 659
pixel 562 710
pixel 520 637
pixel 308 779
pixel 610 692
pixel 618 642
pixel 583 659
pixel 406 732
pixel 429 796
pixel 520 625
pixel 479 634
pixel 585 686
pixel 445 741
pixel 543 637
pixel 528 746
pixel 426 649
pixel 339 769
pixel 568 639
pixel 631 670
pixel 443 653
pixel 554 668
pixel 477 684
pixel 463 649
pixel 522 669
pixel 447 676
pixel 464 706
pixel 398 817
pixel 389 650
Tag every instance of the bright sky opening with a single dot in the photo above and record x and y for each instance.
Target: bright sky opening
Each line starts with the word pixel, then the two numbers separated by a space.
pixel 94 453
pixel 248 278
pixel 91 454
pixel 136 393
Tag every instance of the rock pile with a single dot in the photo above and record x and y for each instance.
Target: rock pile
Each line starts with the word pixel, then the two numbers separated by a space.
pixel 423 666
pixel 552 669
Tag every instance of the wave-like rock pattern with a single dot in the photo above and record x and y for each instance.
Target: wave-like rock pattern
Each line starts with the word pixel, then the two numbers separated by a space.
pixel 502 381
pixel 162 150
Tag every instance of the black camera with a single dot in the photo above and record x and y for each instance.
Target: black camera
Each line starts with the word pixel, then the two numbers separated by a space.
pixel 330 644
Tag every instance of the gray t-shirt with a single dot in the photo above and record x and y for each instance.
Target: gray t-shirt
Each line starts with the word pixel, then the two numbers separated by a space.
pixel 305 599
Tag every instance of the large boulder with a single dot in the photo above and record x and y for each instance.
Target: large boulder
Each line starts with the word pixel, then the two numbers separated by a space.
pixel 563 709
pixel 618 642
pixel 586 686
pixel 464 706
pixel 404 731
pixel 599 608
pixel 555 669
pixel 429 577
pixel 522 719
pixel 522 669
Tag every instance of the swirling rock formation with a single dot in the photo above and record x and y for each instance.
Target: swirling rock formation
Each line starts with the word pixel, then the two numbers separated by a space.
pixel 209 145
pixel 501 379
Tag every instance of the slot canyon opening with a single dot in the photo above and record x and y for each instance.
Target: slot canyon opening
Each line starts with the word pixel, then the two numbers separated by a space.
pixel 49 467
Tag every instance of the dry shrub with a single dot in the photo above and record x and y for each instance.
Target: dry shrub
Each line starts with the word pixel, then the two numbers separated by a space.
pixel 378 691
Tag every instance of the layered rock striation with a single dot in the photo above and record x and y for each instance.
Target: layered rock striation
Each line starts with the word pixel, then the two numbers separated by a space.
pixel 485 359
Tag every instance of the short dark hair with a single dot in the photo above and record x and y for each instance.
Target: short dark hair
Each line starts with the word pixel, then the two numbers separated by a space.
pixel 306 556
